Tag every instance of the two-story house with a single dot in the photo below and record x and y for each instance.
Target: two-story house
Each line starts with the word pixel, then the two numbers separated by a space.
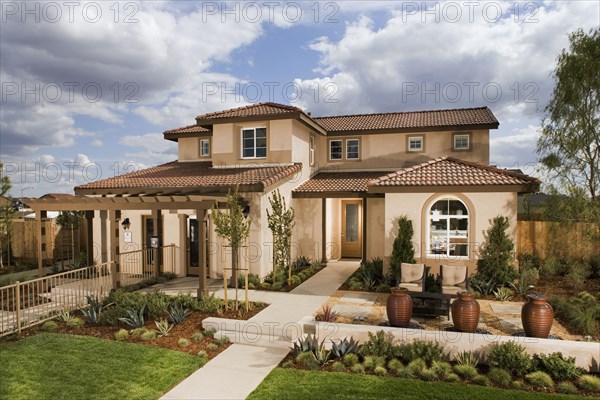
pixel 347 177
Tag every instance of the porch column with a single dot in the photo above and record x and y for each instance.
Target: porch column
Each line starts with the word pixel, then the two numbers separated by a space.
pixel 89 220
pixel 103 238
pixel 364 229
pixel 202 286
pixel 113 230
pixel 41 242
pixel 323 230
pixel 156 215
pixel 183 261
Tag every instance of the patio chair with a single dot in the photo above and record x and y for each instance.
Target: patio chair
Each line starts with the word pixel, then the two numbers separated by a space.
pixel 454 278
pixel 412 277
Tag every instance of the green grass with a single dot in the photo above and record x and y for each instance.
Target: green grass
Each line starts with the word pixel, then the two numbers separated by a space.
pixel 54 366
pixel 298 384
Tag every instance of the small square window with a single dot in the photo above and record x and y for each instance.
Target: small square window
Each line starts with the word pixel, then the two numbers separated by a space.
pixel 254 143
pixel 352 149
pixel 415 143
pixel 461 142
pixel 204 148
pixel 335 150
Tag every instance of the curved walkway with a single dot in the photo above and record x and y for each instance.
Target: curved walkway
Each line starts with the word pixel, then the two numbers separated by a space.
pixel 237 371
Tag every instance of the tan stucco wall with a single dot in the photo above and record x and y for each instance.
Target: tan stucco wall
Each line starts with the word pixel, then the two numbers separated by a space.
pixel 375 228
pixel 483 207
pixel 188 149
pixel 307 237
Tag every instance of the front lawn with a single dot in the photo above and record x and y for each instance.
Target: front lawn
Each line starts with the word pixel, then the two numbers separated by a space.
pixel 298 384
pixel 57 366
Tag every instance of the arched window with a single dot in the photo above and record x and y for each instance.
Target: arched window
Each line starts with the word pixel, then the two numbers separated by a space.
pixel 448 228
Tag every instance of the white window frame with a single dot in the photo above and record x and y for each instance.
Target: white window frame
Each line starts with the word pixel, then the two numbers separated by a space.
pixel 455 147
pixel 311 150
pixel 342 147
pixel 202 141
pixel 357 152
pixel 430 217
pixel 421 140
pixel 254 157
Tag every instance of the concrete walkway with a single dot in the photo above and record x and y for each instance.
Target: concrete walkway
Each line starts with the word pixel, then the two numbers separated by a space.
pixel 237 371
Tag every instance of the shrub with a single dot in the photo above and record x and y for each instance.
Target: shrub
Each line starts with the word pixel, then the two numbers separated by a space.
pixel 517 385
pixel 372 362
pixel 500 377
pixel 163 327
pixel 296 280
pixel 92 312
pixel 427 351
pixel 379 344
pixel 495 257
pixel 197 336
pixel 404 372
pixel 307 360
pixel 212 347
pixel 223 340
pixel 327 314
pixel 526 280
pixel 210 332
pixel 452 377
pixel 480 380
pixel 76 323
pixel 553 266
pixel 338 366
pixel 287 364
pixel 358 369
pixel 465 371
pixel 209 304
pixel 579 314
pixel 369 274
pixel 528 261
pixel 121 334
pixel 558 367
pixel 503 293
pixel 277 286
pixel 468 358
pixel 577 274
pixel 428 374
pixel 483 286
pixel 395 365
pixel 135 318
pixel 183 342
pixel 383 288
pixel 566 388
pixel 539 380
pixel 304 344
pixel 416 366
pixel 177 313
pixel 203 354
pixel 350 360
pixel 380 371
pixel 343 347
pixel 589 383
pixel 64 315
pixel 402 249
pixel 50 326
pixel 266 285
pixel 149 334
pixel 441 369
pixel 138 331
pixel 185 300
pixel 511 357
pixel 111 315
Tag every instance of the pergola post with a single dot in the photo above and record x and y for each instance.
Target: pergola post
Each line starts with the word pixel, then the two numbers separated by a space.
pixel 364 229
pixel 40 215
pixel 202 285
pixel 113 228
pixel 156 215
pixel 89 220
pixel 183 261
pixel 323 230
pixel 103 238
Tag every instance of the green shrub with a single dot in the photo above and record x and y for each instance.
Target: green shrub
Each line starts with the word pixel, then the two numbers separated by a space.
pixel 553 266
pixel 135 318
pixel 358 369
pixel 428 374
pixel 577 274
pixel 503 293
pixel 111 315
pixel 212 347
pixel 528 261
pixel 139 331
pixel 403 250
pixel 441 368
pixel 277 286
pixel 350 360
pixel 75 323
pixel 183 342
pixel 287 364
pixel 197 336
pixel 404 372
pixel 210 332
pixel 307 360
pixel 589 383
pixel 566 388
pixel 394 365
pixel 452 377
pixel 121 334
pixel 150 334
pixel 465 371
pixel 469 358
pixel 579 314
pixel 223 340
pixel 480 380
pixel 209 304
pixel 539 380
pixel 511 357
pixel 380 371
pixel 379 345
pixel 203 354
pixel 500 377
pixel 369 275
pixel 558 367
pixel 338 366
pixel 355 284
pixel 427 351
pixel 517 385
pixel 266 285
pixel 296 280
pixel 372 362
pixel 50 326
pixel 185 300
pixel 383 288
pixel 416 366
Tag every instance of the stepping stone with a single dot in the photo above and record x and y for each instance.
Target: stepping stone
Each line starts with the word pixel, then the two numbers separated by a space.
pixel 510 324
pixel 359 298
pixel 500 308
pixel 352 311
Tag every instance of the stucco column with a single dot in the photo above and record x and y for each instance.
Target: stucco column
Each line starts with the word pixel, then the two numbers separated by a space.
pixel 156 215
pixel 103 237
pixel 202 285
pixel 364 229
pixel 323 230
pixel 113 226
pixel 183 261
pixel 89 220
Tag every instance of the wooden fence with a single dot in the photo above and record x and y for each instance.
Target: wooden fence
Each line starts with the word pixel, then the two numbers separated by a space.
pixel 571 240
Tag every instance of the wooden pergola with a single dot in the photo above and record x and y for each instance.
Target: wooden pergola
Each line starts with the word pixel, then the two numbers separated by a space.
pixel 110 208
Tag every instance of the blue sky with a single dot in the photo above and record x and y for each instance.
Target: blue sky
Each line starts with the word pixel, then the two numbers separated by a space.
pixel 173 59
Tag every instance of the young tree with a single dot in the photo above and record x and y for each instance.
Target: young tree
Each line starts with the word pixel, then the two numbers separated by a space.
pixel 569 145
pixel 495 258
pixel 6 215
pixel 403 250
pixel 232 226
pixel 281 223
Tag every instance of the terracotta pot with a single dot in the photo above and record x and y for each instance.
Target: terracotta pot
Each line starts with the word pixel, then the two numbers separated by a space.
pixel 399 307
pixel 537 316
pixel 465 312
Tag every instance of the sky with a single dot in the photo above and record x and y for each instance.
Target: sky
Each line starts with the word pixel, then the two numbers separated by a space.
pixel 87 88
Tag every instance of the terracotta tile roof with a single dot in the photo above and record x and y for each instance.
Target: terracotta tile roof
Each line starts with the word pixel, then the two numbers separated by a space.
pixel 340 181
pixel 57 196
pixel 251 110
pixel 188 129
pixel 448 171
pixel 408 120
pixel 196 174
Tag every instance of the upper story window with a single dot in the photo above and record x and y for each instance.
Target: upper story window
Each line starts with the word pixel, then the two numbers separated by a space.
pixel 415 143
pixel 352 149
pixel 336 151
pixel 311 151
pixel 448 228
pixel 254 142
pixel 204 147
pixel 461 142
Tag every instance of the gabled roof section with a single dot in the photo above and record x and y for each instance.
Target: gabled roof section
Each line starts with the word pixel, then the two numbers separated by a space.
pixel 187 131
pixel 337 182
pixel 191 177
pixel 252 110
pixel 448 171
pixel 474 118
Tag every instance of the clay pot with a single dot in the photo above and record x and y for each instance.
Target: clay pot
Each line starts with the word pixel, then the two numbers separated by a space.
pixel 537 316
pixel 399 307
pixel 465 312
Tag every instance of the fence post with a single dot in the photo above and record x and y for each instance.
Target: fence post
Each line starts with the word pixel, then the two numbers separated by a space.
pixel 18 303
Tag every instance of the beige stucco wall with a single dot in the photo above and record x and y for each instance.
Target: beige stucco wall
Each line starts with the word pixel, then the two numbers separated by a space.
pixel 188 149
pixel 375 228
pixel 482 208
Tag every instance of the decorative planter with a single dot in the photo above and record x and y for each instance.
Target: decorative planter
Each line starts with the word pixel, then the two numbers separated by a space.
pixel 465 312
pixel 399 307
pixel 537 316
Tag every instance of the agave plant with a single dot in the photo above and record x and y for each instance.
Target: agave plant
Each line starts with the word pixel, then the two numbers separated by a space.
pixel 468 358
pixel 523 286
pixel 321 354
pixel 307 343
pixel 485 287
pixel 64 315
pixel 339 350
pixel 135 318
pixel 327 314
pixel 503 293
pixel 178 313
pixel 92 312
pixel 163 327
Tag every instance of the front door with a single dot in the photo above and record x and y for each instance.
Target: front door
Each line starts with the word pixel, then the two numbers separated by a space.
pixel 351 229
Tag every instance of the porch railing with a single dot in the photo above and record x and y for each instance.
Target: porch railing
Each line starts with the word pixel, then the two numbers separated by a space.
pixel 139 265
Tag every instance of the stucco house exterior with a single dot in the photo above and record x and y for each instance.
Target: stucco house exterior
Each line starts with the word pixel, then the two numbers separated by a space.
pixel 347 177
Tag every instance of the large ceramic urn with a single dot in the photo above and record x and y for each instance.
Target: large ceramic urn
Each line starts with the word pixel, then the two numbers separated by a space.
pixel 399 307
pixel 465 312
pixel 537 316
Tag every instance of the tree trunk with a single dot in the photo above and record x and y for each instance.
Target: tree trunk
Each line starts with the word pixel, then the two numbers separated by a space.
pixel 234 266
pixel 1 256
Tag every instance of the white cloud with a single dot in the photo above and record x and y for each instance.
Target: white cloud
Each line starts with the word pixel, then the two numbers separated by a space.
pixel 82 159
pixel 97 143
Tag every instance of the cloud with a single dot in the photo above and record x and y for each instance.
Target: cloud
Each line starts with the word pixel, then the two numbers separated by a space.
pixel 97 143
pixel 82 159
pixel 150 146
pixel 516 149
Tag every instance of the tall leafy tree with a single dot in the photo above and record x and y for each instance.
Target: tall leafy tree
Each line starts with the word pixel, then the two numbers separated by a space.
pixel 6 215
pixel 281 223
pixel 569 144
pixel 402 250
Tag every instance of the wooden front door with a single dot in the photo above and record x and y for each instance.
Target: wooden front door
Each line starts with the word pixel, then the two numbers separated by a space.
pixel 352 228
